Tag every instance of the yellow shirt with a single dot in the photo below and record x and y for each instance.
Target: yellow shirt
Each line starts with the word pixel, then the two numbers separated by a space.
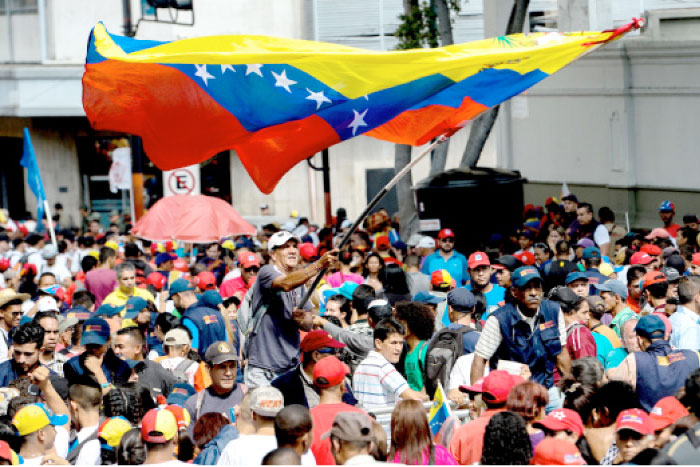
pixel 119 298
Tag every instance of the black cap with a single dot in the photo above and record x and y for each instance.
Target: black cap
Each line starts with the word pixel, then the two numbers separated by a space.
pixel 570 197
pixel 461 300
pixel 690 218
pixel 509 262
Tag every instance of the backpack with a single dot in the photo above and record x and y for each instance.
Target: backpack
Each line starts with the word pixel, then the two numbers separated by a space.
pixel 180 371
pixel 557 272
pixel 443 351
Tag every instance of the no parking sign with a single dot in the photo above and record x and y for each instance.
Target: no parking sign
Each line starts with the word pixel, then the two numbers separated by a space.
pixel 182 181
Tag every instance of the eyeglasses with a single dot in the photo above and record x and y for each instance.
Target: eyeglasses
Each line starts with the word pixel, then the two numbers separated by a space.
pixel 16 313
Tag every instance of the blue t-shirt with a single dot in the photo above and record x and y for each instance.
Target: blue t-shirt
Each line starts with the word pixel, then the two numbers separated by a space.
pixel 456 265
pixel 495 299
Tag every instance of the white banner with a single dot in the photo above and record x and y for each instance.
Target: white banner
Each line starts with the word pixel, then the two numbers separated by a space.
pixel 120 171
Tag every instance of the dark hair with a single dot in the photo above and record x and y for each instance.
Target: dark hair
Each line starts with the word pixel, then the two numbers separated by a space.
pixel 345 257
pixel 87 397
pixel 84 298
pixel 44 314
pixel 691 399
pixel 418 317
pixel 605 214
pixel 587 371
pixel 361 298
pixel 130 400
pixel 562 247
pixel 577 397
pixel 527 399
pixel 133 332
pixel 282 456
pixel 382 266
pixel 232 299
pixel 567 299
pixel 28 333
pixel 131 250
pixel 380 312
pixel 386 327
pixel 47 274
pixel 344 305
pixel 410 432
pixel 9 435
pixel 88 263
pixel 207 426
pixel 395 281
pixel 587 206
pixel 506 441
pixel 106 253
pixel 166 321
pixel 614 397
pixel 592 262
pixel 657 290
pixel 635 272
pixel 131 450
pixel 291 423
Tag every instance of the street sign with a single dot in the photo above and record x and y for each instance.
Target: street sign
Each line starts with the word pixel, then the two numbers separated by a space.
pixel 182 181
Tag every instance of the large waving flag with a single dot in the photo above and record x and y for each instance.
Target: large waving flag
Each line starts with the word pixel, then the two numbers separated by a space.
pixel 278 101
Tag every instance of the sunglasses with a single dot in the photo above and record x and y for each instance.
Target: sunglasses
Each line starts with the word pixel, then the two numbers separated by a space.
pixel 328 351
pixel 448 240
pixel 252 269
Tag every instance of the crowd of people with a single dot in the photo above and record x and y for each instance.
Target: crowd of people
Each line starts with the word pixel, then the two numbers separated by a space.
pixel 568 341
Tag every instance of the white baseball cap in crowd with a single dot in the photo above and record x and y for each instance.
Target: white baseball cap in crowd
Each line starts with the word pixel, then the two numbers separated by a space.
pixel 280 238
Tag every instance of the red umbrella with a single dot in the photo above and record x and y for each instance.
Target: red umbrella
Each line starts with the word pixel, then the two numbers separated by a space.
pixel 197 219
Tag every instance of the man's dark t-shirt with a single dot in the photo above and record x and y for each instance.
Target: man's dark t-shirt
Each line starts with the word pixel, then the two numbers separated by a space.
pixel 275 346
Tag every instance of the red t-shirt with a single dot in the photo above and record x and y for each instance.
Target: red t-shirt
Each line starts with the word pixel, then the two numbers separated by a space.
pixel 580 343
pixel 672 229
pixel 323 415
pixel 230 287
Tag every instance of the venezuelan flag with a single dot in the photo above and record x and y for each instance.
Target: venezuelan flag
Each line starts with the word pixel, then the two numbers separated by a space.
pixel 440 410
pixel 278 101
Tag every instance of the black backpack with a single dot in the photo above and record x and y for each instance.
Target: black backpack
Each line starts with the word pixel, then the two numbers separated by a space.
pixel 557 272
pixel 443 351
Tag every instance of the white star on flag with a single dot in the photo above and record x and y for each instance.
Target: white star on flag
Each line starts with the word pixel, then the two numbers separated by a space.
pixel 281 80
pixel 255 68
pixel 226 67
pixel 366 96
pixel 559 415
pixel 357 121
pixel 319 97
pixel 203 73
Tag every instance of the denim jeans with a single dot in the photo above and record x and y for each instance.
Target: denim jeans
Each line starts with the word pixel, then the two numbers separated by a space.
pixel 255 377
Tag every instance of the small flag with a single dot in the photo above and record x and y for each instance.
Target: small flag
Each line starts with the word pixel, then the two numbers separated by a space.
pixel 33 176
pixel 564 190
pixel 440 411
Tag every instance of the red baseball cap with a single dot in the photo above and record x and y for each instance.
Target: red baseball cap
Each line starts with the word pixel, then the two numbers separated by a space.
pixel 182 416
pixel 696 259
pixel 446 233
pixel 7 453
pixel 319 339
pixel 525 257
pixel 651 250
pixel 562 419
pixel 157 280
pixel 382 242
pixel 441 278
pixel 205 280
pixel 641 257
pixel 308 251
pixel 494 387
pixel 330 372
pixel 158 426
pixel 552 451
pixel 652 277
pixel 478 258
pixel 666 412
pixel 636 420
pixel 247 259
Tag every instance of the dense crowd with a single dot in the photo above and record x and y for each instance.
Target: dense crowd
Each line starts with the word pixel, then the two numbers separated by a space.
pixel 567 341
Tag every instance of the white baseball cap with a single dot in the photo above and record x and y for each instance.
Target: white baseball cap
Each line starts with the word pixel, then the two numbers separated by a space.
pixel 426 242
pixel 280 238
pixel 46 303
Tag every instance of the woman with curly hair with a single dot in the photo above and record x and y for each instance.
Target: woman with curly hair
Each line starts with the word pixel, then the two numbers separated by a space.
pixel 419 322
pixel 506 441
pixel 411 438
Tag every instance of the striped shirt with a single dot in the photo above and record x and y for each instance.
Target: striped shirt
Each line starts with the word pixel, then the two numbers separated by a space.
pixel 376 383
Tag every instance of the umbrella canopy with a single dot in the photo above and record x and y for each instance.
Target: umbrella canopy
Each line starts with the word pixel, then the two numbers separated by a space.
pixel 197 219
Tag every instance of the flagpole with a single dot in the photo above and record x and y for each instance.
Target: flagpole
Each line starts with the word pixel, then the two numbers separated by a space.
pixel 52 232
pixel 346 239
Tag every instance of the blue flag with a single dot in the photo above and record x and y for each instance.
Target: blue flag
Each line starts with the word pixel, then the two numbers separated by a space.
pixel 440 411
pixel 33 176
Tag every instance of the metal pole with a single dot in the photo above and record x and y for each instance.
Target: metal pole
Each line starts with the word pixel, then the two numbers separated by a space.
pixel 346 239
pixel 327 187
pixel 41 6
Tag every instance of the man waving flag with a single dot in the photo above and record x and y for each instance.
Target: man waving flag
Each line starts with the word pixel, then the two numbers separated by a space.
pixel 278 101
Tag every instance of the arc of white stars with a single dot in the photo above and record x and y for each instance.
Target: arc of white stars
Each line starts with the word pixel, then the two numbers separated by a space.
pixel 281 81
pixel 318 97
pixel 358 120
pixel 204 74
pixel 254 68
pixel 227 67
